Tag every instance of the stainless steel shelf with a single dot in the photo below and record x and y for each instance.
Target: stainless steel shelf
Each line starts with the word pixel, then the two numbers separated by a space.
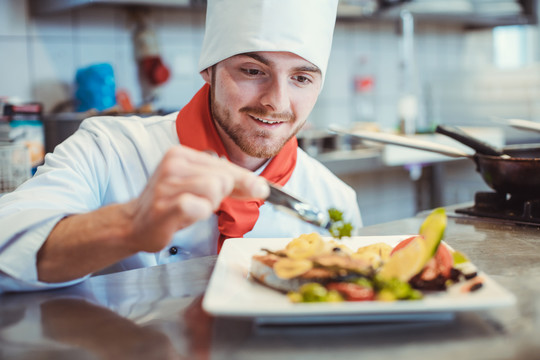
pixel 473 19
pixel 42 7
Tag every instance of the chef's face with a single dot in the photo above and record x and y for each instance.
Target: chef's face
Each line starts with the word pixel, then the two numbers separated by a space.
pixel 260 100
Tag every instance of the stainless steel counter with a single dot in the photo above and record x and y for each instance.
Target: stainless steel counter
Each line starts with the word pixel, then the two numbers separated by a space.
pixel 155 313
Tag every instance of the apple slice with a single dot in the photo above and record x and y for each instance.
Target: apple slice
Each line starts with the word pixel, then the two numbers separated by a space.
pixel 406 262
pixel 415 252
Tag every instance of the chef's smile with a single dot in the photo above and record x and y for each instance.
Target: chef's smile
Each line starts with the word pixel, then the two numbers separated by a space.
pixel 268 119
pixel 270 122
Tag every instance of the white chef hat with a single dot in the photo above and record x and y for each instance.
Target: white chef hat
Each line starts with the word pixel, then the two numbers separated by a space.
pixel 302 27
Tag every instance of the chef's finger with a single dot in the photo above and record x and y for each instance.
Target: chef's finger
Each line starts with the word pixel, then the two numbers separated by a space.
pixel 188 162
pixel 251 187
pixel 192 208
pixel 214 187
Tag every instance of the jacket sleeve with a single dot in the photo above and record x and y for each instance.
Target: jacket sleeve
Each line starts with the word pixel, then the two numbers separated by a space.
pixel 71 181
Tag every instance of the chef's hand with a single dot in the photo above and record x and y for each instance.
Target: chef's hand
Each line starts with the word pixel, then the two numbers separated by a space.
pixel 186 187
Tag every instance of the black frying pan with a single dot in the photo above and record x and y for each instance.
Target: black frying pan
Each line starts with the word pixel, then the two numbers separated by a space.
pixel 512 170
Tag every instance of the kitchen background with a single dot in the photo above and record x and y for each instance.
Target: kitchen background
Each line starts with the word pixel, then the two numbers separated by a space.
pixel 465 70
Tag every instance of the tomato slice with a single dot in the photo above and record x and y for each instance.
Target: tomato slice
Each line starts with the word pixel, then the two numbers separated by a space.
pixel 352 292
pixel 444 260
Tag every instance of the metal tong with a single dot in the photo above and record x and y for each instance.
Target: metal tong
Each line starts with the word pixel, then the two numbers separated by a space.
pixel 286 202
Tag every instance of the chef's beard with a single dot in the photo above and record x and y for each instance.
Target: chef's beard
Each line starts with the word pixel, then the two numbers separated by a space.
pixel 249 145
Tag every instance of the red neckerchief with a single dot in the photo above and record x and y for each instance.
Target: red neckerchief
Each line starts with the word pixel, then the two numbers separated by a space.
pixel 197 130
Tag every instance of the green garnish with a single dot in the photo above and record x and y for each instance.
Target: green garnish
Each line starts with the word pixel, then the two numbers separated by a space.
pixel 314 292
pixel 339 227
pixel 385 290
pixel 335 215
pixel 395 289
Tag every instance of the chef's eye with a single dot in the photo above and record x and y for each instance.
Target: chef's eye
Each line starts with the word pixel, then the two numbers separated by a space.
pixel 304 80
pixel 252 72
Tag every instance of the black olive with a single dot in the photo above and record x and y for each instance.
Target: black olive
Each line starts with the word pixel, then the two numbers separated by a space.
pixel 470 275
pixel 476 286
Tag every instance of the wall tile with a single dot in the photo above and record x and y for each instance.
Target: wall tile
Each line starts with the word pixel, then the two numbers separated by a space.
pixel 98 22
pixel 53 70
pixel 327 112
pixel 14 69
pixel 13 19
pixel 455 49
pixel 176 25
pixel 477 52
pixel 59 25
pixel 185 80
pixel 387 114
pixel 429 50
pixel 176 44
pixel 341 37
pixel 362 39
pixel 126 71
pixel 176 93
pixel 338 79
pixel 93 51
pixel 197 32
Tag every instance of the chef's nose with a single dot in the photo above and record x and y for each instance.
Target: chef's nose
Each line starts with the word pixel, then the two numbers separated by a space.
pixel 276 95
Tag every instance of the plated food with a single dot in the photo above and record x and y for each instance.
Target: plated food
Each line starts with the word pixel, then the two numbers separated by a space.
pixel 372 278
pixel 233 291
pixel 313 269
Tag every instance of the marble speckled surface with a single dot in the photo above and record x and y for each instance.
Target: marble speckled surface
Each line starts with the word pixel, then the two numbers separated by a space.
pixel 155 313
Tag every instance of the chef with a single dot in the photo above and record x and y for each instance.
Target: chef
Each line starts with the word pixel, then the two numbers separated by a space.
pixel 129 192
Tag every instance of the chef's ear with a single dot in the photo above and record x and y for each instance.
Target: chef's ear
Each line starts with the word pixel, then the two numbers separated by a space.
pixel 207 74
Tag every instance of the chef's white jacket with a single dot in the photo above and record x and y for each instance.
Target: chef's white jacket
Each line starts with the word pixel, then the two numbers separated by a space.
pixel 109 160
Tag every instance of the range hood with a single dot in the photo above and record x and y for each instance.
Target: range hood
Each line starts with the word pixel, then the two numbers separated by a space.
pixel 38 7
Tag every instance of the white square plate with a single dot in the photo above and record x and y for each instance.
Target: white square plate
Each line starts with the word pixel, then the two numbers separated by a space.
pixel 233 293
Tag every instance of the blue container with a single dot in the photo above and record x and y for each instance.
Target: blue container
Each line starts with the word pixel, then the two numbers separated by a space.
pixel 96 88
